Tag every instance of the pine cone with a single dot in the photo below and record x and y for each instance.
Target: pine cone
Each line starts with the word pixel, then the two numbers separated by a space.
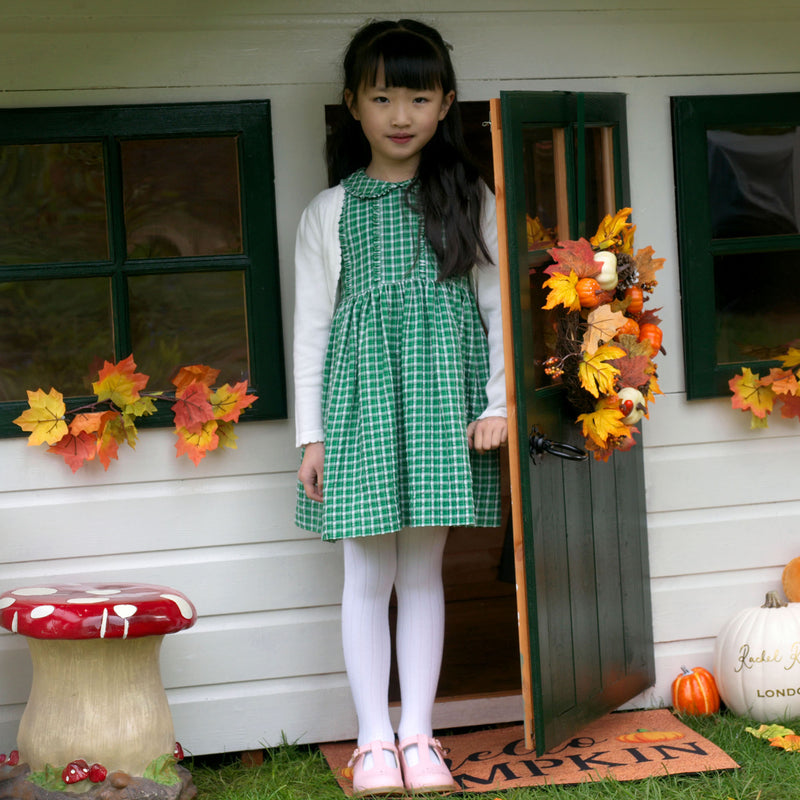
pixel 627 273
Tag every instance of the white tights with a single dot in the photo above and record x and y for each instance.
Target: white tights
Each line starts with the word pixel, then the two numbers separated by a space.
pixel 411 561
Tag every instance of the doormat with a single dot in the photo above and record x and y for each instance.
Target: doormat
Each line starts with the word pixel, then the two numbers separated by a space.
pixel 626 746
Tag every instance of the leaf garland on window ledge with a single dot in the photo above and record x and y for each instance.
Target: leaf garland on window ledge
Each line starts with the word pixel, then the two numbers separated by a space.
pixel 759 395
pixel 204 416
pixel 605 340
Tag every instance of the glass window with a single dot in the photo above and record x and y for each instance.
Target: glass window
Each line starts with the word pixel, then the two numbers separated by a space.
pixel 737 160
pixel 138 229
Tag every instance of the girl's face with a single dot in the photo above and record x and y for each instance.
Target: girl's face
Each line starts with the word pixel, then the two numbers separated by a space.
pixel 398 122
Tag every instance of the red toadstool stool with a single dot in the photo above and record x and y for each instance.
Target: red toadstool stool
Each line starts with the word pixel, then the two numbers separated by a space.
pixel 96 686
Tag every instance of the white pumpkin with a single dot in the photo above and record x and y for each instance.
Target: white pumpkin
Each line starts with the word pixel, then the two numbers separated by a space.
pixel 608 277
pixel 757 661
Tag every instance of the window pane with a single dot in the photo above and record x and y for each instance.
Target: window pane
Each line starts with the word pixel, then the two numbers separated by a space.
pixel 182 197
pixel 754 181
pixel 545 186
pixel 600 194
pixel 192 318
pixel 548 221
pixel 756 303
pixel 52 203
pixel 54 333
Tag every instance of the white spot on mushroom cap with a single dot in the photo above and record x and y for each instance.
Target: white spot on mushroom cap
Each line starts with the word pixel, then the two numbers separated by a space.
pixel 187 612
pixel 32 591
pixel 103 591
pixel 125 610
pixel 104 624
pixel 42 611
pixel 5 602
pixel 14 622
pixel 88 599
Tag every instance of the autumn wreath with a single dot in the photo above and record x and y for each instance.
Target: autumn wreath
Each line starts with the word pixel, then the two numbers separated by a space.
pixel 204 416
pixel 605 340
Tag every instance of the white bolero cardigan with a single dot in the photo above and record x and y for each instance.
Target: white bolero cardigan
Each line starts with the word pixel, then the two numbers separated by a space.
pixel 318 258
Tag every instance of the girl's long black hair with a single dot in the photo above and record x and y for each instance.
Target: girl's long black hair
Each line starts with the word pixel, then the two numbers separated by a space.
pixel 450 190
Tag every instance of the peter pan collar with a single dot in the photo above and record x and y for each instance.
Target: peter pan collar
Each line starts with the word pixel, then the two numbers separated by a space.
pixel 359 184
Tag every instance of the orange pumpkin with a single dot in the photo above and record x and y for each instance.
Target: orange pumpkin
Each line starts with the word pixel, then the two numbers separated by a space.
pixel 791 580
pixel 695 692
pixel 589 292
pixel 636 296
pixel 651 333
pixel 629 328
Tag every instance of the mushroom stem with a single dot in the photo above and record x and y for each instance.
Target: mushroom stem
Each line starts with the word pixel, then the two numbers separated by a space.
pixel 97 699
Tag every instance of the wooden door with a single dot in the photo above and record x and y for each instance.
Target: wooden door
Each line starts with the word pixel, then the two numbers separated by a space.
pixel 580 529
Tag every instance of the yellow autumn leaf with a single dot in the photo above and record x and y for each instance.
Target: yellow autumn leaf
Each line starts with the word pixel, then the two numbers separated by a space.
pixel 563 291
pixel 597 376
pixel 611 230
pixel 751 391
pixel 626 246
pixel 226 435
pixel 792 358
pixel 604 422
pixel 44 419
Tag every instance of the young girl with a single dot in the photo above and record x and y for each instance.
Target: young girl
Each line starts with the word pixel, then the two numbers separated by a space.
pixel 400 390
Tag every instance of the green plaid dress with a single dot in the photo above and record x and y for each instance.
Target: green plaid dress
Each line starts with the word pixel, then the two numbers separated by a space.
pixel 405 372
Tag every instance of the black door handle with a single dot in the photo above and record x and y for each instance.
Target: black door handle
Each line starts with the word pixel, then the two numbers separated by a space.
pixel 540 444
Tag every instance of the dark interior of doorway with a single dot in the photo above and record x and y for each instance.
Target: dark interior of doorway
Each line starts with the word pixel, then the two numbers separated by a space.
pixel 481 652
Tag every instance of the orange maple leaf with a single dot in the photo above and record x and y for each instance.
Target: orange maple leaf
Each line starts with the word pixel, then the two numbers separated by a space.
pixel 119 383
pixel 196 444
pixel 790 406
pixel 782 381
pixel 195 372
pixel 93 422
pixel 751 393
pixel 192 407
pixel 76 450
pixel 572 256
pixel 229 402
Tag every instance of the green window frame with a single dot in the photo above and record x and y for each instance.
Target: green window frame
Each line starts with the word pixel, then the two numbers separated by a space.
pixel 139 279
pixel 730 269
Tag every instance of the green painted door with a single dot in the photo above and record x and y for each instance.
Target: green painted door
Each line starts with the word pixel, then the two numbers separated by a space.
pixel 585 537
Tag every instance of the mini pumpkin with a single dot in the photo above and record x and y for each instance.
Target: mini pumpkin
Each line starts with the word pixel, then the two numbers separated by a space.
pixel 636 296
pixel 629 328
pixel 791 580
pixel 695 692
pixel 651 333
pixel 589 292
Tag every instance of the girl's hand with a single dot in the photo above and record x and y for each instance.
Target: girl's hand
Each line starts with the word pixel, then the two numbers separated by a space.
pixel 310 472
pixel 487 434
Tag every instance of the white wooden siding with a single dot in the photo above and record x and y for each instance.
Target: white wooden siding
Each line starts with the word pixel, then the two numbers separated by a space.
pixel 264 659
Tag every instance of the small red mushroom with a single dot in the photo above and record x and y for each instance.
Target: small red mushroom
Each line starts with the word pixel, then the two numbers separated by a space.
pixel 13 758
pixel 75 772
pixel 178 752
pixel 97 773
pixel 2 758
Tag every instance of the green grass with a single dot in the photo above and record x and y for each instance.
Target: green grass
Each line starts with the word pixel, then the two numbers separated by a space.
pixel 294 772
